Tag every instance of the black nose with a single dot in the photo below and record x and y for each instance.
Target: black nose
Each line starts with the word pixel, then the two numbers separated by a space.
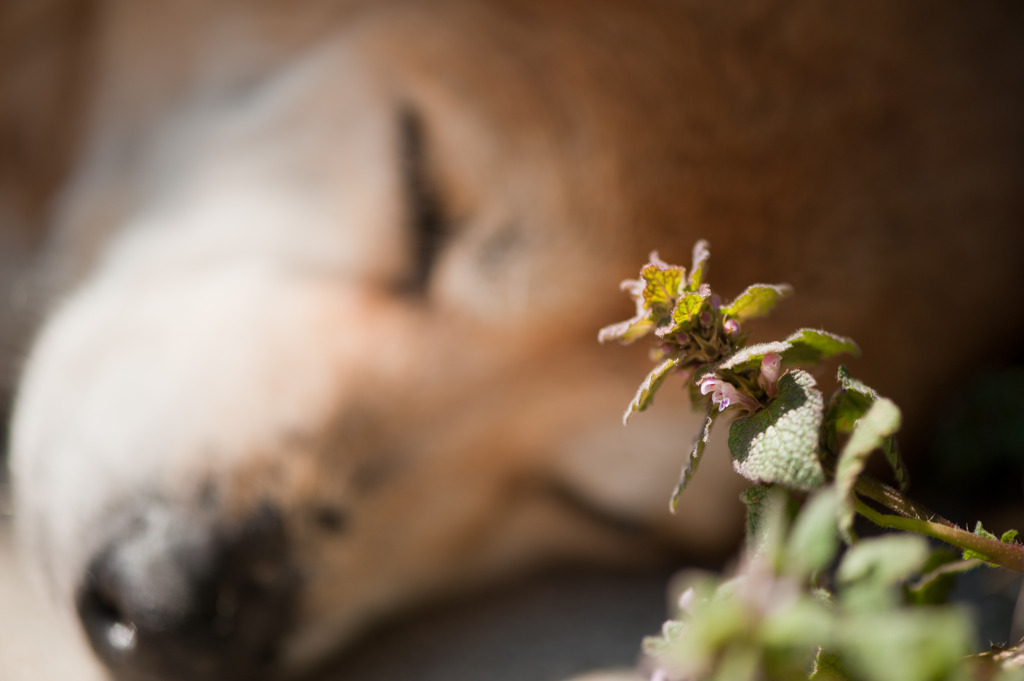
pixel 175 595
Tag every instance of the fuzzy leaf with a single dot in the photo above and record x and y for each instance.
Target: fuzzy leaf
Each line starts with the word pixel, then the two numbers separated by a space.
pixel 850 401
pixel 792 634
pixel 873 430
pixel 689 307
pixel 890 559
pixel 827 667
pixel 846 407
pixel 848 382
pixel 645 393
pixel 779 444
pixel 818 344
pixel 813 540
pixel 750 357
pixel 671 632
pixel 805 346
pixel 917 644
pixel 873 570
pixel 701 254
pixel 626 332
pixel 757 301
pixel 662 286
pixel 982 532
pixel 1008 537
pixel 696 452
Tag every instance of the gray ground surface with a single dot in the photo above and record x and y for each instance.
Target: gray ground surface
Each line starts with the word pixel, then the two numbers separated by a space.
pixel 546 629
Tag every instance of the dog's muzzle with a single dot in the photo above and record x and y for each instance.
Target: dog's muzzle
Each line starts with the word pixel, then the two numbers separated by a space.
pixel 172 595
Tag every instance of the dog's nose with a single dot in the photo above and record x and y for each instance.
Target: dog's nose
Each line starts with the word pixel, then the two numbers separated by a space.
pixel 174 596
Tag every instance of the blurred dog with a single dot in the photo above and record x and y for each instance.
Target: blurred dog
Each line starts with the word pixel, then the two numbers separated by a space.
pixel 324 285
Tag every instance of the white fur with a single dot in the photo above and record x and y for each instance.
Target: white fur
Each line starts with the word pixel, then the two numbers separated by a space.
pixel 198 317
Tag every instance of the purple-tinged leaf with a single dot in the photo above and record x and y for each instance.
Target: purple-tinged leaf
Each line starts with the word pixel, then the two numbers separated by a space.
pixel 645 393
pixel 626 332
pixel 701 255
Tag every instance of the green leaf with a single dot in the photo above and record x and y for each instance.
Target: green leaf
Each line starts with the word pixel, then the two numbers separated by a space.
pixel 1008 537
pixel 626 332
pixel 671 632
pixel 919 644
pixel 880 563
pixel 662 285
pixel 691 647
pixel 828 667
pixel 873 430
pixel 805 346
pixel 757 301
pixel 980 530
pixel 696 453
pixel 738 662
pixel 822 344
pixel 779 444
pixel 645 393
pixel 846 407
pixel 792 635
pixel 701 254
pixel 850 401
pixel 750 357
pixel 688 309
pixel 813 540
pixel 848 382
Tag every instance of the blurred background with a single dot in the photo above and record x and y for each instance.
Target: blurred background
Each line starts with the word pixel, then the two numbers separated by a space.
pixel 559 624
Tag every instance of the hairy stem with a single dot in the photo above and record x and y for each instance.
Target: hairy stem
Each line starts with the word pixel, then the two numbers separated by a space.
pixel 1008 555
pixel 895 501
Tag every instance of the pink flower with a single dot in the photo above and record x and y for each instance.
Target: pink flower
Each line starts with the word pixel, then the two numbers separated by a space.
pixel 725 394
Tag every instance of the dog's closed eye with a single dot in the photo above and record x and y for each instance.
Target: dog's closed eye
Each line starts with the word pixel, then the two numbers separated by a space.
pixel 426 211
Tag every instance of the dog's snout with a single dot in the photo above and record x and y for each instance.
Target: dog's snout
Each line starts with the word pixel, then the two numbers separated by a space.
pixel 172 595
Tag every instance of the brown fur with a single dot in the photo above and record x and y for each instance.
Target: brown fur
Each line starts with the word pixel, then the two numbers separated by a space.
pixel 870 154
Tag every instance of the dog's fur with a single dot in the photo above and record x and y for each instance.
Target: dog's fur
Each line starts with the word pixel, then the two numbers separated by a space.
pixel 343 267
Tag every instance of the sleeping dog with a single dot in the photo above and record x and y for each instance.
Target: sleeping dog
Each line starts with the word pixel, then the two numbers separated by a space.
pixel 321 286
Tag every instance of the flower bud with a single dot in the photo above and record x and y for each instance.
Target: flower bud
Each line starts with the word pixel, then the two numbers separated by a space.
pixel 771 368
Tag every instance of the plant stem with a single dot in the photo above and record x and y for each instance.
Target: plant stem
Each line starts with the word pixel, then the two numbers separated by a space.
pixel 895 501
pixel 1008 555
